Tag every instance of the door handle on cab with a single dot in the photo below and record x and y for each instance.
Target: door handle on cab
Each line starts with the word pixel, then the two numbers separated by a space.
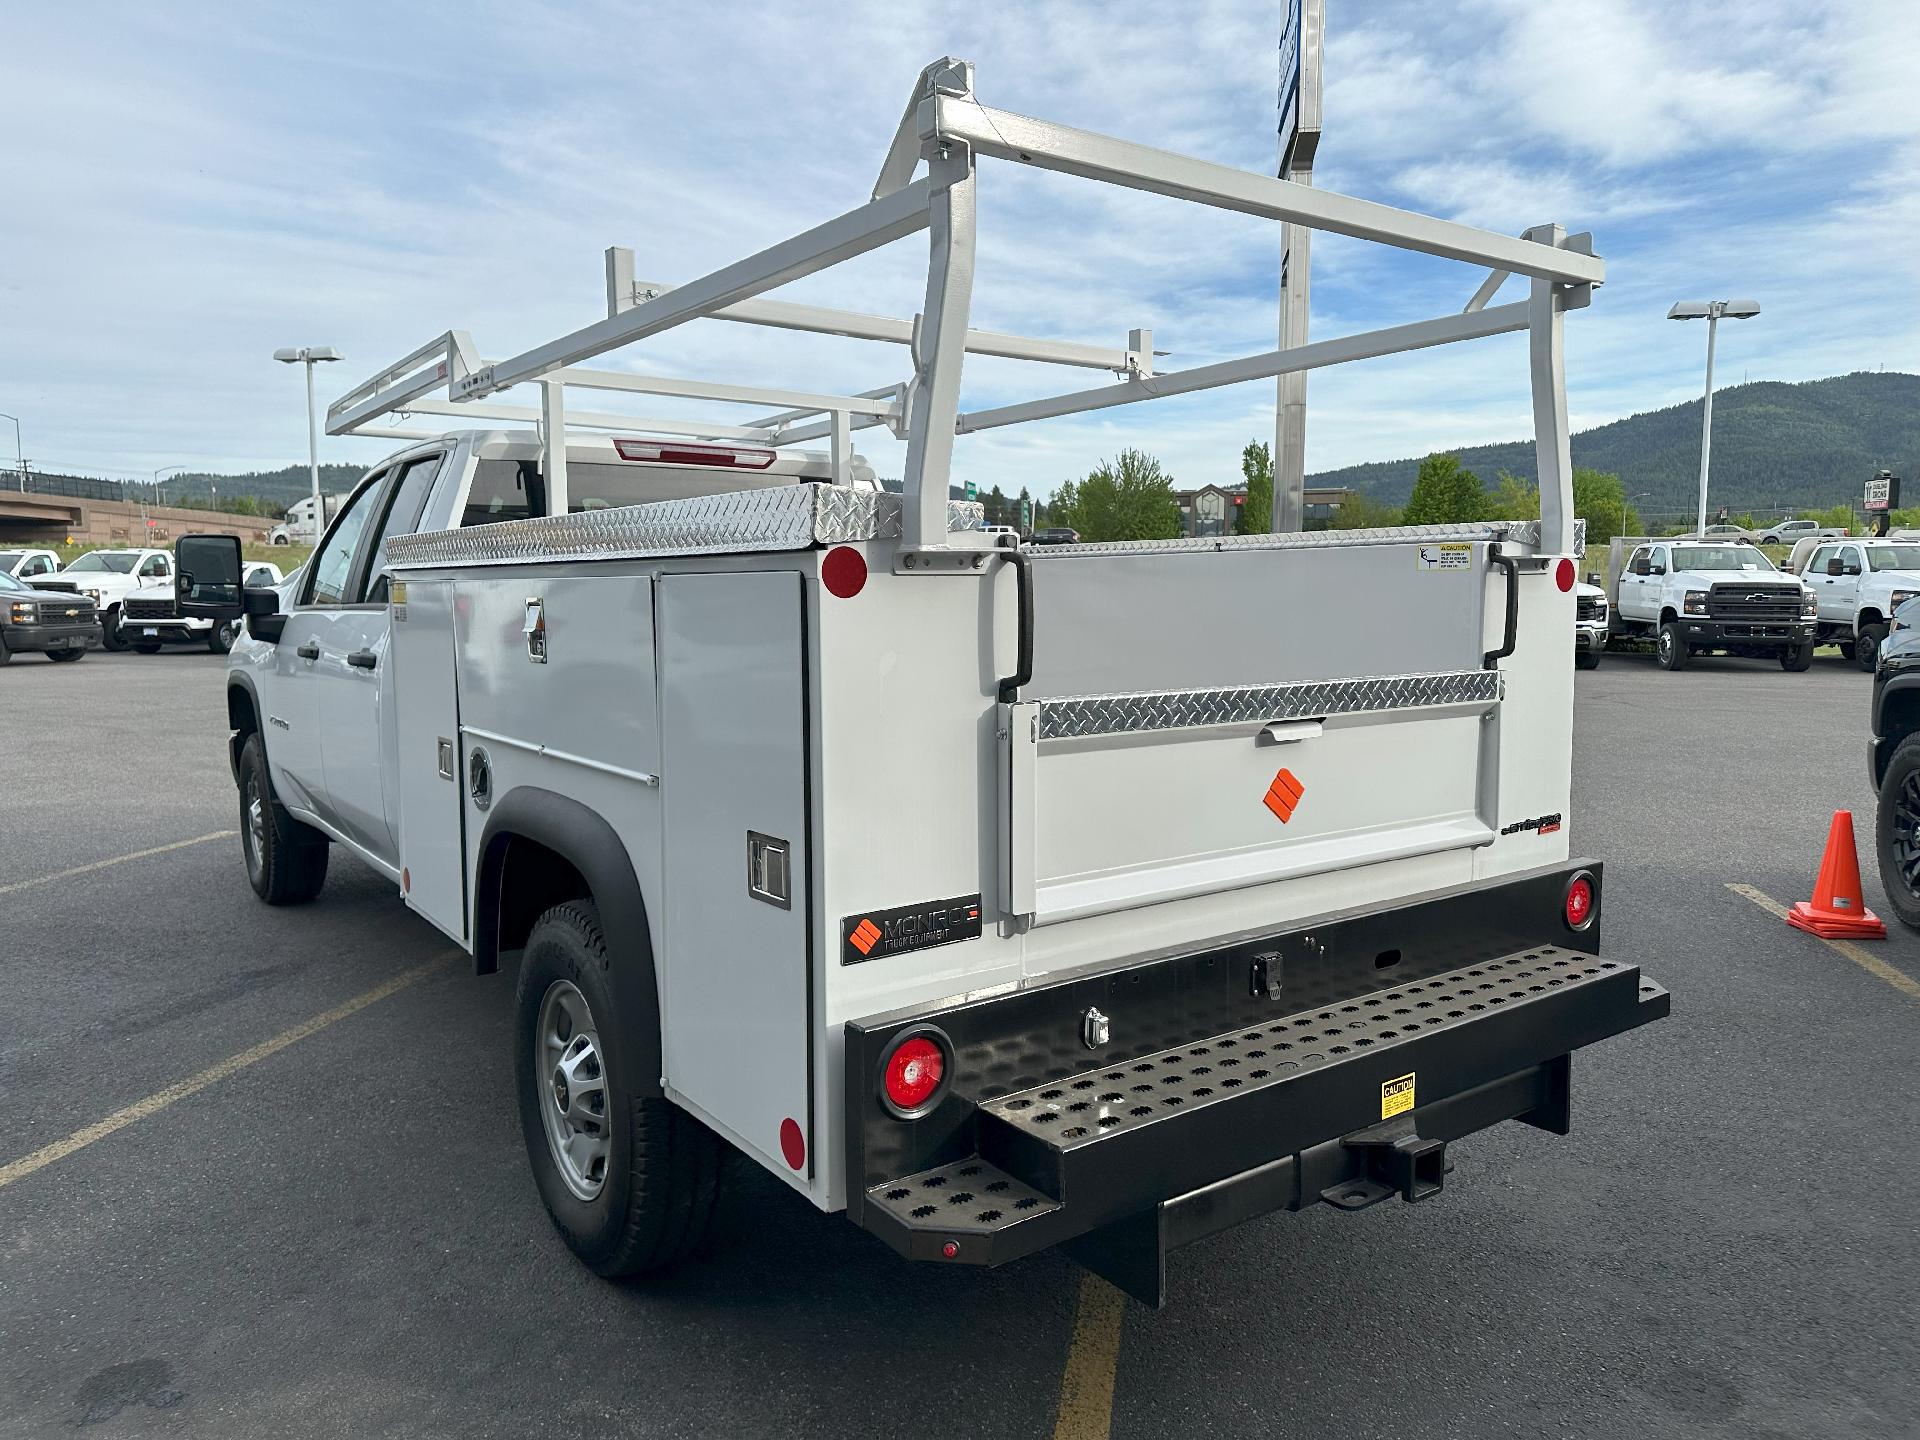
pixel 363 659
pixel 309 651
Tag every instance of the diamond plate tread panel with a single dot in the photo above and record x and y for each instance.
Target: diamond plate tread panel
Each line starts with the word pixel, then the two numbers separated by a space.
pixel 1512 532
pixel 1079 716
pixel 968 1197
pixel 1064 1114
pixel 781 517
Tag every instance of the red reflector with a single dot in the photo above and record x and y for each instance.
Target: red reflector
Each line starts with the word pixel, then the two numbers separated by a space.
pixel 844 572
pixel 914 1072
pixel 793 1144
pixel 951 1249
pixel 1563 575
pixel 727 457
pixel 1579 903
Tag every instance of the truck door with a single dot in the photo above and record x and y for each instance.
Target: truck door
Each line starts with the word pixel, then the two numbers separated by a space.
pixel 1816 575
pixel 355 676
pixel 1632 603
pixel 292 702
pixel 1846 586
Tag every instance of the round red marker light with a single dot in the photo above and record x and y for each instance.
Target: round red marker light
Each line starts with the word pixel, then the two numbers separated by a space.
pixel 914 1072
pixel 1579 904
pixel 793 1144
pixel 844 572
pixel 950 1249
pixel 1563 575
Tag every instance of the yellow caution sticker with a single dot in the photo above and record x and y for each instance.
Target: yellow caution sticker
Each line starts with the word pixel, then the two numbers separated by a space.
pixel 1396 1097
pixel 1444 557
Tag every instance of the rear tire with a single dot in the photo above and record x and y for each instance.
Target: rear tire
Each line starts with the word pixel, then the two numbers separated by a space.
pixel 286 860
pixel 1586 659
pixel 1866 646
pixel 1896 832
pixel 1672 647
pixel 71 653
pixel 630 1181
pixel 1846 649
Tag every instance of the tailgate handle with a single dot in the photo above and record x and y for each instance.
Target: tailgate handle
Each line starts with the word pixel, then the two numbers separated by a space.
pixel 1285 732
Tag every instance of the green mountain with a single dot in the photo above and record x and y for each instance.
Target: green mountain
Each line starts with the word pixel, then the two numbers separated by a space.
pixel 1775 447
pixel 275 488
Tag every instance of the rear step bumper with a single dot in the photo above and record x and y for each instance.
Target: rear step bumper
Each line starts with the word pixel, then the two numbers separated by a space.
pixel 1350 1103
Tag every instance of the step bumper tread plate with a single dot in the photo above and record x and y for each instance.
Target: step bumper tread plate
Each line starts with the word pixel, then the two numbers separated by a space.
pixel 1060 1159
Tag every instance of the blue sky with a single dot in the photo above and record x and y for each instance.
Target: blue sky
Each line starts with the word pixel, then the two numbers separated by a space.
pixel 187 187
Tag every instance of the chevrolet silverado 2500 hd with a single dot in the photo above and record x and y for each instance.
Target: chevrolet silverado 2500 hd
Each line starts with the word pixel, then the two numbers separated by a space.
pixel 974 889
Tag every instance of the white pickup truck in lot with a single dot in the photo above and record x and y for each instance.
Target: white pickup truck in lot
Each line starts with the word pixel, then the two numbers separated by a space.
pixel 107 578
pixel 991 894
pixel 1857 585
pixel 1694 598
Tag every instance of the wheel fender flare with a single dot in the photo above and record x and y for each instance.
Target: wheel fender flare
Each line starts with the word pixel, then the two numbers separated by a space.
pixel 1905 685
pixel 588 843
pixel 236 738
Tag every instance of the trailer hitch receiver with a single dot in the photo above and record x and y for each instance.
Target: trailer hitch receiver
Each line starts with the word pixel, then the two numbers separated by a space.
pixel 1398 1162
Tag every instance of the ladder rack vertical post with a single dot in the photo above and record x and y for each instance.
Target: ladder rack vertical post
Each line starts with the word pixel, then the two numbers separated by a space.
pixel 941 345
pixel 842 447
pixel 553 444
pixel 1546 345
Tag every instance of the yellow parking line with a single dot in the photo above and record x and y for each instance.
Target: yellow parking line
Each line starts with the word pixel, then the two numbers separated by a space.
pixel 1086 1385
pixel 213 1074
pixel 116 860
pixel 1865 959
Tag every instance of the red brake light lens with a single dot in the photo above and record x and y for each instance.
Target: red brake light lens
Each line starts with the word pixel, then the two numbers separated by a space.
pixel 844 572
pixel 915 1072
pixel 1563 574
pixel 725 457
pixel 1579 903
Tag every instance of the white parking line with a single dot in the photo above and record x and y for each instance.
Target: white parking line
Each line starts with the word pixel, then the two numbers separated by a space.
pixel 213 1074
pixel 116 860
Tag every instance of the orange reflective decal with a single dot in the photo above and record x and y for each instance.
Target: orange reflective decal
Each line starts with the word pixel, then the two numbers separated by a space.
pixel 1283 796
pixel 865 936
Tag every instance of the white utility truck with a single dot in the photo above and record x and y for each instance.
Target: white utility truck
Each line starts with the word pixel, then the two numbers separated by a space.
pixel 1857 585
pixel 1693 597
pixel 999 896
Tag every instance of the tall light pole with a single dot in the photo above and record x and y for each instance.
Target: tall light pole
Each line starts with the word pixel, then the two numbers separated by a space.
pixel 18 454
pixel 1709 311
pixel 311 355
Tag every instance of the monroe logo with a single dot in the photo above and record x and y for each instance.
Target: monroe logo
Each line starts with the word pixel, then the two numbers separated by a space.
pixel 1545 824
pixel 873 934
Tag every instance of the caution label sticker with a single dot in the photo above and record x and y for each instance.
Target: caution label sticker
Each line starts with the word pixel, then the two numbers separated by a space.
pixel 1445 557
pixel 1396 1096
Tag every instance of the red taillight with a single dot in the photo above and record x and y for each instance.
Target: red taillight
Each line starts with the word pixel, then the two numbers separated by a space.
pixel 726 457
pixel 915 1072
pixel 1579 903
pixel 1563 575
pixel 844 572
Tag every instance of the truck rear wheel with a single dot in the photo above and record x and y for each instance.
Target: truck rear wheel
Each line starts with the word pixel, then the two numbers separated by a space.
pixel 1586 659
pixel 1896 832
pixel 630 1180
pixel 1866 646
pixel 110 636
pixel 1672 647
pixel 1798 657
pixel 286 860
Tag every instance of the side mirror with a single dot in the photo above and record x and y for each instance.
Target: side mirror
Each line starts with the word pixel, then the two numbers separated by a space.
pixel 207 579
pixel 264 620
pixel 1593 577
pixel 1853 569
pixel 1656 569
pixel 1834 567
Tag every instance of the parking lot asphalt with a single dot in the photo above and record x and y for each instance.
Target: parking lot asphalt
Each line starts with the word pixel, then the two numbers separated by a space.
pixel 341 1236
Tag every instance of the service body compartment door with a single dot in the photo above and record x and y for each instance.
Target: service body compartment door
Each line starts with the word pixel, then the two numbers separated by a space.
pixel 427 733
pixel 735 971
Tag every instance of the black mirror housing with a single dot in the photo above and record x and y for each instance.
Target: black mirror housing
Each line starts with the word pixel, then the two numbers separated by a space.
pixel 206 578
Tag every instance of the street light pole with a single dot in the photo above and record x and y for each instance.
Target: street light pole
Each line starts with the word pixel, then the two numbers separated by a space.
pixel 311 355
pixel 19 455
pixel 1710 311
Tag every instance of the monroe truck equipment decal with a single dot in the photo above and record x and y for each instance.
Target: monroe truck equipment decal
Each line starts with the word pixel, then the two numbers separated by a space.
pixel 873 934
pixel 1545 824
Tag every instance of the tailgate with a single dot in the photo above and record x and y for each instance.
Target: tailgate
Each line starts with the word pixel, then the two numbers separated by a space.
pixel 1211 720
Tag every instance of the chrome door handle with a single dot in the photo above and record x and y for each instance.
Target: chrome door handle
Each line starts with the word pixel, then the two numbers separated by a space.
pixel 363 659
pixel 308 651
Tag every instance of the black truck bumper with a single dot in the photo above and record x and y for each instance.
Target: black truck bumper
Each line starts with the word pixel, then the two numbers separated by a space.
pixel 1357 1049
pixel 1709 634
pixel 27 639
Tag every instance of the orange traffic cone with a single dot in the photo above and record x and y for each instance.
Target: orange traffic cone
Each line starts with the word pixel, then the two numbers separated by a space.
pixel 1838 910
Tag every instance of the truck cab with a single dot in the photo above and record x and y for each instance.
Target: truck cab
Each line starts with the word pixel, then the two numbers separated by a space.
pixel 1693 598
pixel 1857 585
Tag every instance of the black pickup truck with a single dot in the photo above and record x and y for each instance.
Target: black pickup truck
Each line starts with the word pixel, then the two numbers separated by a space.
pixel 58 626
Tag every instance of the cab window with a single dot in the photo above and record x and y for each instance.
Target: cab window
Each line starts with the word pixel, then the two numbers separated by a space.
pixel 1658 558
pixel 1638 563
pixel 403 518
pixel 331 569
pixel 504 490
pixel 1850 559
pixel 153 565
